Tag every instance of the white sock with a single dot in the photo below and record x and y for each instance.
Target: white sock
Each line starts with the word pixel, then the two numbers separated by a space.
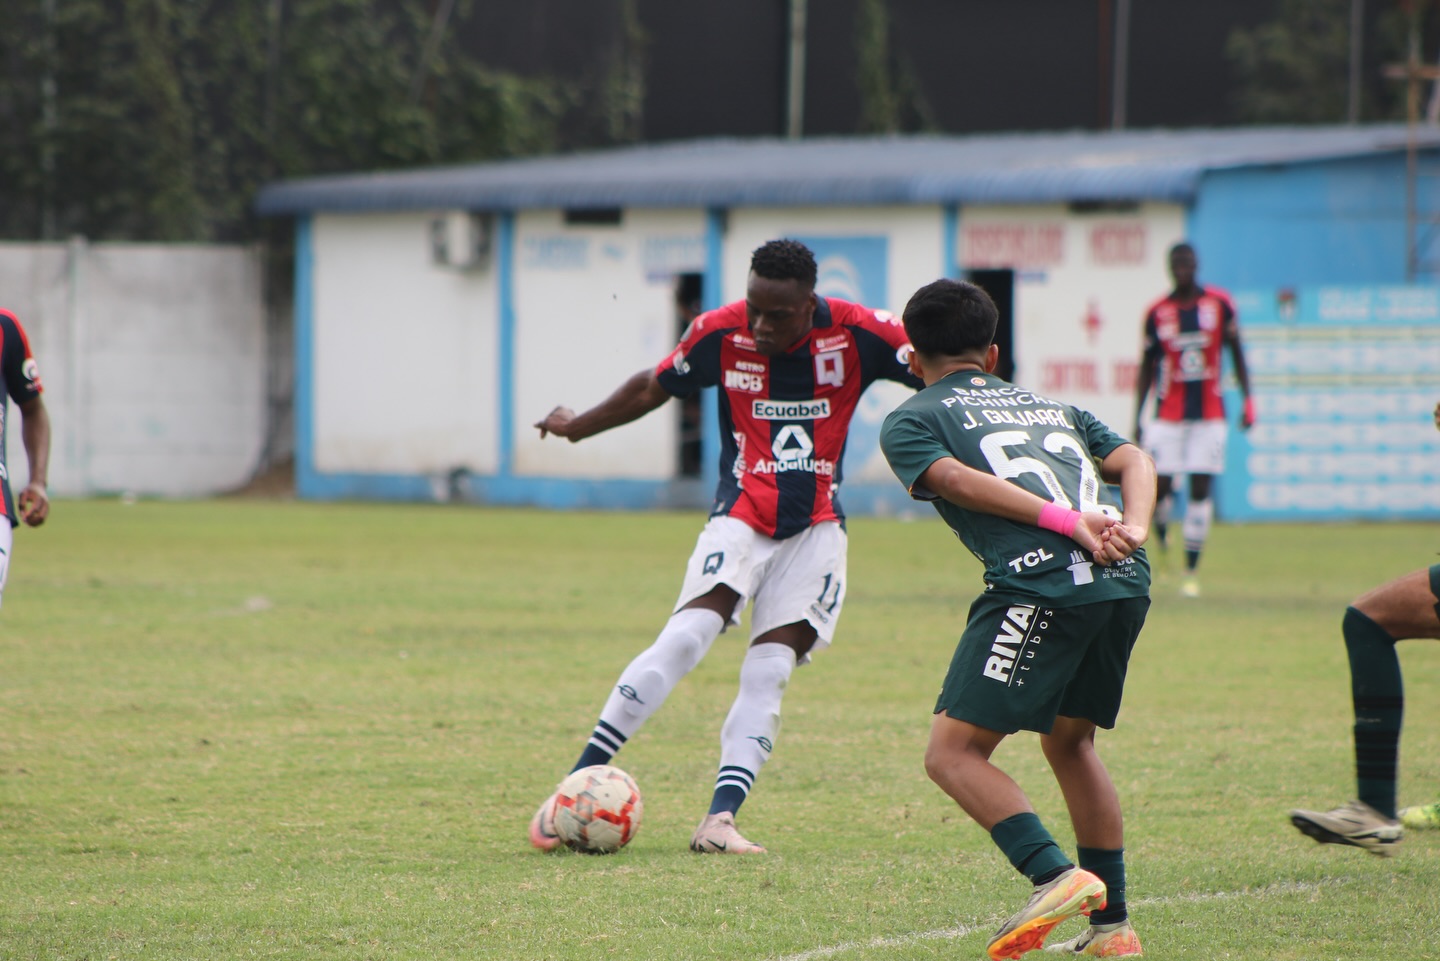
pixel 1198 515
pixel 648 680
pixel 749 733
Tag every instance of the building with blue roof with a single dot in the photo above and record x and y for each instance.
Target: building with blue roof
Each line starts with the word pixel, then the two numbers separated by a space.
pixel 440 312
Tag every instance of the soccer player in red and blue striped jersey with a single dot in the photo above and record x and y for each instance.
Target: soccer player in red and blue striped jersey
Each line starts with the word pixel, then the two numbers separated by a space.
pixel 20 381
pixel 791 367
pixel 1186 333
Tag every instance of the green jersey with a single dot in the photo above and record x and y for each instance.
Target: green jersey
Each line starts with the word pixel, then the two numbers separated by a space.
pixel 1050 449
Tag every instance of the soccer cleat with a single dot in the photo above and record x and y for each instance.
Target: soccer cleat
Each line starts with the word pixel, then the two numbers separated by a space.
pixel 1421 817
pixel 1077 891
pixel 1355 823
pixel 1116 940
pixel 717 835
pixel 542 826
pixel 1190 586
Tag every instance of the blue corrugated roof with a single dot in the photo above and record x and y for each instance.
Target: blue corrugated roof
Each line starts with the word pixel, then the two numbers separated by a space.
pixel 989 168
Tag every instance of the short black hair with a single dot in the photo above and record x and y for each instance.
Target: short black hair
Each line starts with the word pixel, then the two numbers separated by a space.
pixel 1183 247
pixel 784 260
pixel 947 318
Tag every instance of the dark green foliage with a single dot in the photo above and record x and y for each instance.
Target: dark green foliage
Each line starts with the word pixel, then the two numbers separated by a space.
pixel 1295 68
pixel 158 119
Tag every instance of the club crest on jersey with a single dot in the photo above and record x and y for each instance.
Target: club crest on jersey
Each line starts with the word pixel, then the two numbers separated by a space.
pixel 830 369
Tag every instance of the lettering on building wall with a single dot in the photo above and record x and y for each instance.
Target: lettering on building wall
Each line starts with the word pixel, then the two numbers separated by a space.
pixel 1012 245
pixel 1075 375
pixel 1118 244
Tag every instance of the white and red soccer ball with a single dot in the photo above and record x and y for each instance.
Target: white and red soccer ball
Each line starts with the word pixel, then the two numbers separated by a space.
pixel 597 809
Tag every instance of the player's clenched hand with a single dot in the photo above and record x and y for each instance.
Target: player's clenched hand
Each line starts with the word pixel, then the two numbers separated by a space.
pixel 34 505
pixel 1119 541
pixel 1089 531
pixel 557 422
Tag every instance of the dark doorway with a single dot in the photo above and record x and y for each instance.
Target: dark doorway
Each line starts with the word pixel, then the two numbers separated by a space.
pixel 1000 285
pixel 689 292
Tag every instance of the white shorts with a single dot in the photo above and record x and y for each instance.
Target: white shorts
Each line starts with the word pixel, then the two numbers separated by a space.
pixel 801 578
pixel 1187 446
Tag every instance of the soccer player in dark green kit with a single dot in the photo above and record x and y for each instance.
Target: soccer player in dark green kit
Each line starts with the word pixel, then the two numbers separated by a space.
pixel 1405 608
pixel 1067 587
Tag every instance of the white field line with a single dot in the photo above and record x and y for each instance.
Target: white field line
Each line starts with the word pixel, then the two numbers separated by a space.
pixel 964 930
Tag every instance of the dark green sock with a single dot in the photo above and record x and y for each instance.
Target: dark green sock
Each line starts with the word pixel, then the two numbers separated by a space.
pixel 1379 697
pixel 1027 844
pixel 1109 866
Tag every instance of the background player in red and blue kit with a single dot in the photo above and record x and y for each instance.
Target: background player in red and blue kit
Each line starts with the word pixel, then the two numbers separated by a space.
pixel 791 367
pixel 22 384
pixel 1185 333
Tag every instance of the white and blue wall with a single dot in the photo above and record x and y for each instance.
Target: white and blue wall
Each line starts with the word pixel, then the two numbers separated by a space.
pixel 419 381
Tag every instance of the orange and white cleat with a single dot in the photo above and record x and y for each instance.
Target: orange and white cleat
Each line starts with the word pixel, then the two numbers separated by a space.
pixel 1116 940
pixel 1077 891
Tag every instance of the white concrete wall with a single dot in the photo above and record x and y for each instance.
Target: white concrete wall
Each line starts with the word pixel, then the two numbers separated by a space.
pixel 405 351
pixel 1082 283
pixel 153 360
pixel 406 376
pixel 594 305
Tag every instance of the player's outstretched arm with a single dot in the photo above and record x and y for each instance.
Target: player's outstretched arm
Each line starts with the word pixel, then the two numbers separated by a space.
pixel 635 398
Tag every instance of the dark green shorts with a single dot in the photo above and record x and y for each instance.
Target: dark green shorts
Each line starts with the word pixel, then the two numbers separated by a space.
pixel 1435 586
pixel 1019 666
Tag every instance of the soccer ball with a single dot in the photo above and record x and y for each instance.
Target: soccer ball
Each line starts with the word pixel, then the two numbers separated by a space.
pixel 597 809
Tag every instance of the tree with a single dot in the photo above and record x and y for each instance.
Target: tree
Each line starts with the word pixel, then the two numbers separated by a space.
pixel 158 119
pixel 1295 68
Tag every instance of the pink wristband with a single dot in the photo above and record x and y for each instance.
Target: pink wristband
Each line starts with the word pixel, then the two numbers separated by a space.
pixel 1061 520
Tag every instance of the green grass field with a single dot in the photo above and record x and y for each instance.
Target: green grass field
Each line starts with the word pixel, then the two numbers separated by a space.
pixel 245 729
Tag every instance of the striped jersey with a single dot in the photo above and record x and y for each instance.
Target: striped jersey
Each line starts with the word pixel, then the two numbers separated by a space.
pixel 21 381
pixel 784 419
pixel 1184 338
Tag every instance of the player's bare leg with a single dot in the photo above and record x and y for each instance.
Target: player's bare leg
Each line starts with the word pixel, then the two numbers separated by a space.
pixel 1164 506
pixel 1400 609
pixel 958 760
pixel 1099 827
pixel 1406 608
